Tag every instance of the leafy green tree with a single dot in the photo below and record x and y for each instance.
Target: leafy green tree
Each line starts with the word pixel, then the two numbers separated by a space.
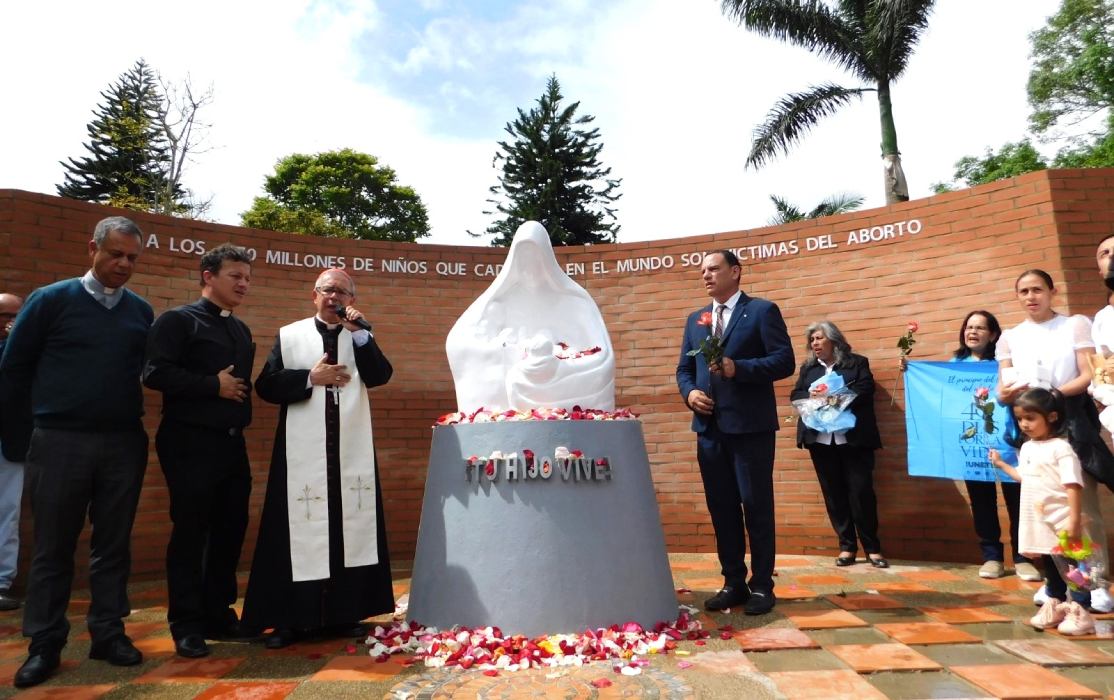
pixel 338 194
pixel 787 213
pixel 128 153
pixel 551 173
pixel 1071 80
pixel 1098 153
pixel 1011 160
pixel 872 39
pixel 1073 64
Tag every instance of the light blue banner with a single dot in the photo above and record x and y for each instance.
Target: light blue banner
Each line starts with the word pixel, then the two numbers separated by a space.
pixel 952 419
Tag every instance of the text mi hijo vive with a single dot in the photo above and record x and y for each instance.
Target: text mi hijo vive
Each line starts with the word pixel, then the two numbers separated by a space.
pixel 568 465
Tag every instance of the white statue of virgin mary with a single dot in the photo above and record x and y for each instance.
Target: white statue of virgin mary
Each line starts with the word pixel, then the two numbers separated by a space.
pixel 533 339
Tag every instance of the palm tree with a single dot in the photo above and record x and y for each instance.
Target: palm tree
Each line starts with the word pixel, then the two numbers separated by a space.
pixel 873 39
pixel 836 204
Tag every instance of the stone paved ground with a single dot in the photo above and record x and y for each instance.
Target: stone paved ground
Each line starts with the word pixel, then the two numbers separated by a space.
pixel 914 631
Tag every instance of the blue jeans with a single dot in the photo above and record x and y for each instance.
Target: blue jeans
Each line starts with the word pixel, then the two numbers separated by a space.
pixel 11 493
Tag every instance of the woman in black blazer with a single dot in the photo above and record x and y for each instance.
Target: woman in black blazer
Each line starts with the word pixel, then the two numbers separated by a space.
pixel 844 460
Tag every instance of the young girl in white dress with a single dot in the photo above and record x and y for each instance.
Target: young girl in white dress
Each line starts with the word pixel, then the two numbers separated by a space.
pixel 1053 351
pixel 1052 501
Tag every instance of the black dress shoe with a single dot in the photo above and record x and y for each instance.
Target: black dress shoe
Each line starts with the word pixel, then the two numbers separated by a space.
pixel 879 563
pixel 760 603
pixel 728 597
pixel 232 632
pixel 36 669
pixel 118 651
pixel 281 637
pixel 8 601
pixel 845 561
pixel 192 646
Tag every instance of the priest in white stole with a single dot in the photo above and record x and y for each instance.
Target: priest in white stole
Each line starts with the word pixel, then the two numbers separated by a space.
pixel 320 564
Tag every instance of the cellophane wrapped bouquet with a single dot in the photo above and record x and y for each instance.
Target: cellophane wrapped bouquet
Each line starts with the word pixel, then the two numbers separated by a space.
pixel 827 412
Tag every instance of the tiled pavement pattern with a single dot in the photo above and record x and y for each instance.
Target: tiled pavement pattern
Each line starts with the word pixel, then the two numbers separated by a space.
pixel 913 631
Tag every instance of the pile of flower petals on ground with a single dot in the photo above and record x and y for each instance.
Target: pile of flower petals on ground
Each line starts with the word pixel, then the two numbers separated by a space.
pixel 488 650
pixel 482 415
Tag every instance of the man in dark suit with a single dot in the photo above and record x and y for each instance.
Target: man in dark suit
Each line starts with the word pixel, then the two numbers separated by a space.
pixel 735 419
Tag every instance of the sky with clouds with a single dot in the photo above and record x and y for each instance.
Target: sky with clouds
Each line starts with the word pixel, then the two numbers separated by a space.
pixel 427 86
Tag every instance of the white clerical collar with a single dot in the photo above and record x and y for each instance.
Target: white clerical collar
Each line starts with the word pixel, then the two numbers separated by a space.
pixel 330 326
pixel 216 308
pixel 93 285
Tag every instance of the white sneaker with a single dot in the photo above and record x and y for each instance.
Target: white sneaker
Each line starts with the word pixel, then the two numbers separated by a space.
pixel 1041 596
pixel 1077 621
pixel 1051 614
pixel 992 569
pixel 1027 572
pixel 1101 601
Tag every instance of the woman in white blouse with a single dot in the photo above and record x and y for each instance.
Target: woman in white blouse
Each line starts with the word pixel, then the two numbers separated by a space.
pixel 1053 351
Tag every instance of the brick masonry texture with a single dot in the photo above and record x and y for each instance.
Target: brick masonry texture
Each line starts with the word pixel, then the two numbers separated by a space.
pixel 968 248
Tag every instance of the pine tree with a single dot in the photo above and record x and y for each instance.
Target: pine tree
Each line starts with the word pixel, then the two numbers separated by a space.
pixel 551 174
pixel 128 161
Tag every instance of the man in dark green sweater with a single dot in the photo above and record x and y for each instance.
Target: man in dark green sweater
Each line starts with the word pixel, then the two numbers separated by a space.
pixel 77 350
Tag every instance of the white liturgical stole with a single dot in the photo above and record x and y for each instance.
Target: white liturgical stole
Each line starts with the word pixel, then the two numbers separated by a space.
pixel 306 485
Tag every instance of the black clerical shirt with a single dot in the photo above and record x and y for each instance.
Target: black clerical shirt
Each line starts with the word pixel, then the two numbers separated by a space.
pixel 186 348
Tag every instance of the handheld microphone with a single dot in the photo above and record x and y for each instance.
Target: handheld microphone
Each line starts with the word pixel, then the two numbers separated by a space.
pixel 342 312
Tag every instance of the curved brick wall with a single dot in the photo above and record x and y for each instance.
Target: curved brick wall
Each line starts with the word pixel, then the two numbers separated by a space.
pixel 931 260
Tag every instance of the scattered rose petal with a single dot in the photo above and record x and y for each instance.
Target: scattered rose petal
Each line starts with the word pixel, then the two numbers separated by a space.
pixel 491 672
pixel 487 649
pixel 602 683
pixel 684 664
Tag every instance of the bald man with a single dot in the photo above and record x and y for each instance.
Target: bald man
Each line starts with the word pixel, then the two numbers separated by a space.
pixel 320 565
pixel 11 477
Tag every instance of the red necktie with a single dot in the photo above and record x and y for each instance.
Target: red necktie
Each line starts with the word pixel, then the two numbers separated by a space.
pixel 718 330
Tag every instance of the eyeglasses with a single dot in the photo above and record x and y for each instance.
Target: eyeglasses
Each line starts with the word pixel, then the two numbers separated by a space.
pixel 339 291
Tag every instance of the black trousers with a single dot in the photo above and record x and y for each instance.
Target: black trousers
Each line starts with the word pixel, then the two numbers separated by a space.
pixel 738 475
pixel 984 511
pixel 209 479
pixel 846 476
pixel 72 473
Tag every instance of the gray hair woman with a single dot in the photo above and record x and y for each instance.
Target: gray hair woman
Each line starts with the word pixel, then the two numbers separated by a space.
pixel 843 459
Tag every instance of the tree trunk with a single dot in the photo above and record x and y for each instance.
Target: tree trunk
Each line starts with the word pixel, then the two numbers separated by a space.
pixel 896 188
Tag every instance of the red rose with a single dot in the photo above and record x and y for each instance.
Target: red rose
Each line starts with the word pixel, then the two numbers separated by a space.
pixel 822 388
pixel 705 319
pixel 982 392
pixel 913 327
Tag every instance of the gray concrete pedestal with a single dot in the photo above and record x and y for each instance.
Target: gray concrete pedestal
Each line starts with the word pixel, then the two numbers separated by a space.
pixel 580 549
